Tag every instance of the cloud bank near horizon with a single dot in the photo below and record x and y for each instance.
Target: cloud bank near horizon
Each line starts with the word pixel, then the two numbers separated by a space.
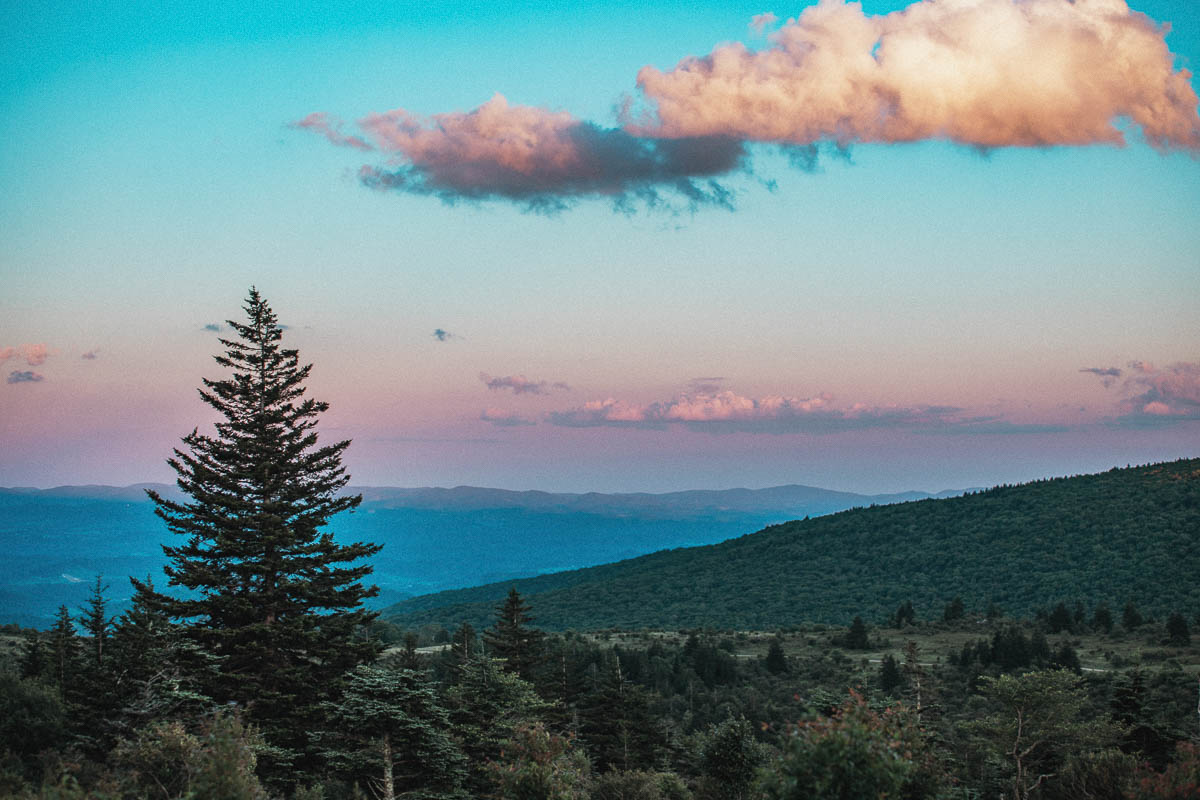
pixel 728 412
pixel 982 73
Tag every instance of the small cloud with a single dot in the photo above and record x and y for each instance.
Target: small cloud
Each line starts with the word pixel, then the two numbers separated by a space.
pixel 25 376
pixel 91 355
pixel 1156 396
pixel 760 22
pixel 330 127
pixel 504 419
pixel 519 384
pixel 213 327
pixel 34 354
pixel 1108 375
pixel 443 335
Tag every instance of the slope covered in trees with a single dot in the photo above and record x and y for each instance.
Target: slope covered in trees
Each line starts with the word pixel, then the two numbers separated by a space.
pixel 1118 536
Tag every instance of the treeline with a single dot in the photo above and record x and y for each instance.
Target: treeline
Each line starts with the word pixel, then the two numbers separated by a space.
pixel 105 709
pixel 1116 536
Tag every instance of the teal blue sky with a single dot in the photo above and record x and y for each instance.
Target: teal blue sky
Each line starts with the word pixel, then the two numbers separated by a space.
pixel 927 310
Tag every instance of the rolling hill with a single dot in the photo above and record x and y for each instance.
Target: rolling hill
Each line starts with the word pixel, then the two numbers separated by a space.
pixel 1126 534
pixel 53 542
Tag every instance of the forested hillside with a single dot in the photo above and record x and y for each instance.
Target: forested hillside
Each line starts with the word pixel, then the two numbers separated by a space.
pixel 1122 535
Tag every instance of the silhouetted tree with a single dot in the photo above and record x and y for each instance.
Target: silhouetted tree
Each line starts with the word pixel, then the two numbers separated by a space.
pixel 776 661
pixel 270 593
pixel 856 637
pixel 1177 630
pixel 954 610
pixel 511 638
pixel 1131 618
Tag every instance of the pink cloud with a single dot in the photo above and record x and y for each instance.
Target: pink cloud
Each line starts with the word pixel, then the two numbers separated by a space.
pixel 34 354
pixel 321 123
pixel 760 22
pixel 983 73
pixel 538 157
pixel 724 412
pixel 1156 395
pixel 988 73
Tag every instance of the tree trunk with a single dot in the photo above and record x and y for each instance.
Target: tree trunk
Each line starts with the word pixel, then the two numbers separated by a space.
pixel 389 782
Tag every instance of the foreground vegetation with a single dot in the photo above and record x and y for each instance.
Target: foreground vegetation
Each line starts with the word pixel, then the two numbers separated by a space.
pixel 913 709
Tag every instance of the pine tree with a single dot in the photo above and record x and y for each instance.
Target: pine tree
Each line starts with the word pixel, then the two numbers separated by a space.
pixel 889 675
pixel 856 637
pixel 1131 618
pixel 64 649
pixel 268 592
pixel 776 661
pixel 390 731
pixel 1177 631
pixel 512 639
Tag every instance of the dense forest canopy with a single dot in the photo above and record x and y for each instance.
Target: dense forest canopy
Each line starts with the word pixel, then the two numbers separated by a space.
pixel 1117 536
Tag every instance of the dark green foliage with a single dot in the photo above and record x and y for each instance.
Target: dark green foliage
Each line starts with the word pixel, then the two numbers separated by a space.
pixel 954 610
pixel 32 719
pixel 1131 618
pixel 539 765
pixel 856 638
pixel 638 785
pixel 269 593
pixel 1102 619
pixel 729 759
pixel 1059 620
pixel 1124 532
pixel 776 661
pixel 512 640
pixel 388 731
pixel 856 753
pixel 64 649
pixel 487 704
pixel 1038 723
pixel 1177 631
pixel 890 677
pixel 905 615
pixel 1065 657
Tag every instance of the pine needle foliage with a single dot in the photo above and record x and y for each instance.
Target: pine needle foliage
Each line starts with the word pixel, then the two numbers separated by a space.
pixel 268 591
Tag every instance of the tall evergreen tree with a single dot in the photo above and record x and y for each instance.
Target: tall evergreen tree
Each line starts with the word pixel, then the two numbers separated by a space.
pixel 268 592
pixel 512 639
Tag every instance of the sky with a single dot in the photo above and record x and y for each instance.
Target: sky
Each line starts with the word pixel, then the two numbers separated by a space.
pixel 609 247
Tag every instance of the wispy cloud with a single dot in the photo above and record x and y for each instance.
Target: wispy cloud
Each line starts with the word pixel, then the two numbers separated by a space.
pixel 986 74
pixel 760 22
pixel 34 354
pixel 330 128
pixel 212 327
pixel 91 355
pixel 1108 375
pixel 519 384
pixel 25 376
pixel 504 419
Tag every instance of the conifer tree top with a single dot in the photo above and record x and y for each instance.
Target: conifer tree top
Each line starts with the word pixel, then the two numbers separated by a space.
pixel 271 592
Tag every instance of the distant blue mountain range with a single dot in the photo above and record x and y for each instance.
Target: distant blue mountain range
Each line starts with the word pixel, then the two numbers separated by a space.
pixel 54 542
